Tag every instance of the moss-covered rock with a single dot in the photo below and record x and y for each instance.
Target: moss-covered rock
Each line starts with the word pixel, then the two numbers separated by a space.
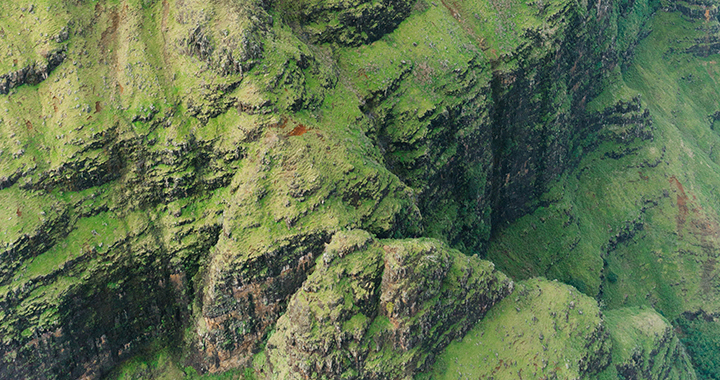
pixel 380 309
pixel 345 22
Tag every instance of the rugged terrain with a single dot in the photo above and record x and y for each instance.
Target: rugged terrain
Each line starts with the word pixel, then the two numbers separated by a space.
pixel 359 189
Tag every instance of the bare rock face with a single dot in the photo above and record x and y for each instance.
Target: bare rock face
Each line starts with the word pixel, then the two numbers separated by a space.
pixel 265 253
pixel 380 309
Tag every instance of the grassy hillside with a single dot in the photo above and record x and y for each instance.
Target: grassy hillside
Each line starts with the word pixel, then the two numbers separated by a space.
pixel 640 209
pixel 175 174
pixel 543 330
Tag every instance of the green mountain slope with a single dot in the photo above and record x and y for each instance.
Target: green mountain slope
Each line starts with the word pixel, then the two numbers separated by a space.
pixel 645 209
pixel 319 189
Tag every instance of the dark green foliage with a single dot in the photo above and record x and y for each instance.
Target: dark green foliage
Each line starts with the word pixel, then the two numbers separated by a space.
pixel 645 346
pixel 700 333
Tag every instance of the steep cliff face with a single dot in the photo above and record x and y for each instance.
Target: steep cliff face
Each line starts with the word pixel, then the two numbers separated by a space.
pixel 275 186
pixel 150 155
pixel 639 203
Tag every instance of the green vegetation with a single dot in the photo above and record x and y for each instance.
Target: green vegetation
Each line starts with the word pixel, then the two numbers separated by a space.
pixel 647 215
pixel 645 346
pixel 701 336
pixel 542 330
pixel 249 189
pixel 163 365
pixel 379 308
pixel 635 206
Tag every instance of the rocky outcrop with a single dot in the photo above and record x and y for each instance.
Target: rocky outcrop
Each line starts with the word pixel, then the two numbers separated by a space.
pixel 540 101
pixel 228 37
pixel 380 309
pixel 83 316
pixel 351 23
pixel 33 73
pixel 432 297
pixel 265 253
pixel 699 10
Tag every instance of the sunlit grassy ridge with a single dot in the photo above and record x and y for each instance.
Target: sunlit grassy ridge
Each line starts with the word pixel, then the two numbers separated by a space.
pixel 542 330
pixel 645 346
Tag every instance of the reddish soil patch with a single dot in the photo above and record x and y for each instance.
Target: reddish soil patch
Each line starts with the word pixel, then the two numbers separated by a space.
pixel 298 131
pixel 701 226
pixel 166 11
pixel 109 35
pixel 178 280
pixel 453 8
pixel 682 200
pixel 163 31
pixel 18 212
pixel 55 101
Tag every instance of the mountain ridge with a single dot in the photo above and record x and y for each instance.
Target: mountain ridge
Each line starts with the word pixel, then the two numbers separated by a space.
pixel 181 174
